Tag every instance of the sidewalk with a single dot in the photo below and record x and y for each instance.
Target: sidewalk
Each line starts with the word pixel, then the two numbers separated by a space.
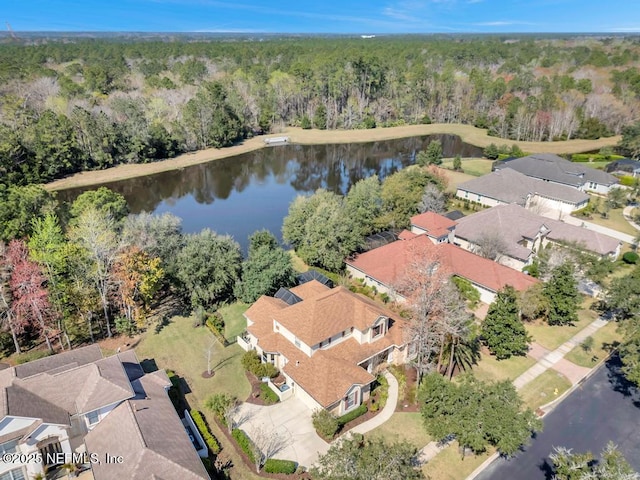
pixel 545 360
pixel 626 213
pixel 387 411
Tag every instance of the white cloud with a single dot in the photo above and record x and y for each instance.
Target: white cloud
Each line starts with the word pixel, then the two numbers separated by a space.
pixel 625 29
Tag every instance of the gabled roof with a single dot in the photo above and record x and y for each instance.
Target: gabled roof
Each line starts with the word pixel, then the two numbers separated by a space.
pixel 623 165
pixel 65 381
pixel 435 225
pixel 513 223
pixel 551 167
pixel 310 289
pixel 510 186
pixel 322 316
pixel 147 432
pixel 387 264
pixel 325 377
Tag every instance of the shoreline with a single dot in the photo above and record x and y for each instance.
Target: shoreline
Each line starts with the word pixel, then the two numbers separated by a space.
pixel 467 133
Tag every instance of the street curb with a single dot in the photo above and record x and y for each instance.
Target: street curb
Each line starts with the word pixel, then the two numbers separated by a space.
pixel 547 408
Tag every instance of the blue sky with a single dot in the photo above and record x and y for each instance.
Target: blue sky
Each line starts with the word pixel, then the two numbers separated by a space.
pixel 324 16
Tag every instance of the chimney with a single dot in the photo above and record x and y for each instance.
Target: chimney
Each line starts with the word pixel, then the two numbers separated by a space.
pixel 297 362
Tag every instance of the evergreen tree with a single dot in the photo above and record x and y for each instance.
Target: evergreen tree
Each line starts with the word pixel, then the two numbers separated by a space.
pixel 457 163
pixel 502 330
pixel 562 296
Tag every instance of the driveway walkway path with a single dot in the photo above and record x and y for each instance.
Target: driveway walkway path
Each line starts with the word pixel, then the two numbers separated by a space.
pixel 290 423
pixel 626 213
pixel 545 360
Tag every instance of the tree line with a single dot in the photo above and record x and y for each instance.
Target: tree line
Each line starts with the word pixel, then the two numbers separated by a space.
pixel 78 273
pixel 89 104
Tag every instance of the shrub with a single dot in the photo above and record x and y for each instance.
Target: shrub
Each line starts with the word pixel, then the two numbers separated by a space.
pixel 219 404
pixel 468 291
pixel 31 356
pixel 325 424
pixel 627 180
pixel 352 415
pixel 244 442
pixel 215 323
pixel 175 391
pixel 268 395
pixel 280 466
pixel 203 428
pixel 631 258
pixel 251 361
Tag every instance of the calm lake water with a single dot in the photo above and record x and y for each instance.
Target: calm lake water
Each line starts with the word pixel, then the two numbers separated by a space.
pixel 239 195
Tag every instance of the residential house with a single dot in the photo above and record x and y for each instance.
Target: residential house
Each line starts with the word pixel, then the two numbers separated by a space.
pixel 78 407
pixel 523 233
pixel 327 342
pixel 554 169
pixel 510 186
pixel 625 166
pixel 385 267
pixel 438 228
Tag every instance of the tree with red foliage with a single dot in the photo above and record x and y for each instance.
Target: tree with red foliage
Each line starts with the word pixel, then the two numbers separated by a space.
pixel 30 304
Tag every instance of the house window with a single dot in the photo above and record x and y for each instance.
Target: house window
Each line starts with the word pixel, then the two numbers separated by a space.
pixel 377 330
pixel 320 346
pixel 9 447
pixel 16 474
pixel 351 400
pixel 297 342
pixel 466 194
pixel 93 417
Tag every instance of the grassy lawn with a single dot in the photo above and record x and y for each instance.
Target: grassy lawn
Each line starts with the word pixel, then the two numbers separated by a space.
pixel 551 337
pixel 449 464
pixel 455 179
pixel 490 369
pixel 471 166
pixel 403 426
pixel 298 264
pixel 234 322
pixel 182 348
pixel 597 165
pixel 602 342
pixel 615 221
pixel 542 389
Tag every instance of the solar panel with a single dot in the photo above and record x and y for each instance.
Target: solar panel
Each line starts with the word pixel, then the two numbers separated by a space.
pixel 314 275
pixel 287 296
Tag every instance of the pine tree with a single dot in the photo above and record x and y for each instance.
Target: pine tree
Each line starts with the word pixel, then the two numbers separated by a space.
pixel 502 330
pixel 562 296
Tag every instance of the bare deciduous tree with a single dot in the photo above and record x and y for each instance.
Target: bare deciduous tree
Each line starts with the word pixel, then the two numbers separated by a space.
pixel 490 245
pixel 433 200
pixel 265 443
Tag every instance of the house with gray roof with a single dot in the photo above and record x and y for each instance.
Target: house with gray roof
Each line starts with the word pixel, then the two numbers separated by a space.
pixel 554 169
pixel 523 233
pixel 53 409
pixel 506 186
pixel 625 166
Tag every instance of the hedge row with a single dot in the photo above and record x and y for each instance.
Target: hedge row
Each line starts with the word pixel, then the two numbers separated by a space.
pixel 280 466
pixel 352 415
pixel 209 439
pixel 251 361
pixel 594 157
pixel 243 442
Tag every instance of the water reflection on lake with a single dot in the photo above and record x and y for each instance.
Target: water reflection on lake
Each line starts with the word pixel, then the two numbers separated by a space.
pixel 241 194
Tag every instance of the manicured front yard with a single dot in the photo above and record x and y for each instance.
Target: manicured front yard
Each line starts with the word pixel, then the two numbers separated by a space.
pixel 449 464
pixel 615 220
pixel 542 389
pixel 551 337
pixel 234 322
pixel 403 426
pixel 455 179
pixel 603 341
pixel 491 369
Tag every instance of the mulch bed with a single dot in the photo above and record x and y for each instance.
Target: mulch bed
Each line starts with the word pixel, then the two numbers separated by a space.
pixel 404 405
pixel 255 396
pixel 251 466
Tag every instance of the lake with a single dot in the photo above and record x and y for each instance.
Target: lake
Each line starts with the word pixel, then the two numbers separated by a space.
pixel 241 194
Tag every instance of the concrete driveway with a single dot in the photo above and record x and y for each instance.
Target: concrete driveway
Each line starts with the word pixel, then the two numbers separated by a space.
pixel 287 426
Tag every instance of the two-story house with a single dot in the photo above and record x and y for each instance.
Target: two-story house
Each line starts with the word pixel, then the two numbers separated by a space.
pixel 61 410
pixel 327 342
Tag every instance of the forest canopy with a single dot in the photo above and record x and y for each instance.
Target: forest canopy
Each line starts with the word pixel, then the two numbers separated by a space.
pixel 81 104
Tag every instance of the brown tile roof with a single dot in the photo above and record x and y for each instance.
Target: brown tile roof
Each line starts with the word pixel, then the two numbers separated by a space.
pixel 482 271
pixel 327 378
pixel 436 225
pixel 148 434
pixel 388 263
pixel 406 235
pixel 309 289
pixel 330 313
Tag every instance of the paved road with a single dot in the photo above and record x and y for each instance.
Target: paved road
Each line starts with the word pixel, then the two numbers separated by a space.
pixel 604 408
